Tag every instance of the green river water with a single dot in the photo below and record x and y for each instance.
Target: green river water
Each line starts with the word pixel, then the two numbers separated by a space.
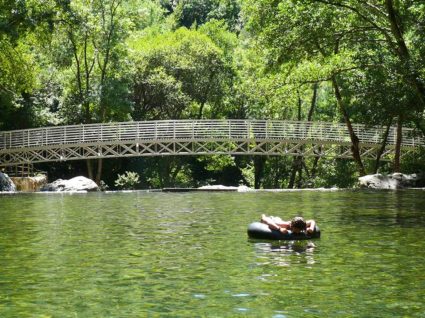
pixel 153 254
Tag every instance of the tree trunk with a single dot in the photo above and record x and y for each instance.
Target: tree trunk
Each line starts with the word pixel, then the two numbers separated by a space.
pixel 355 149
pixel 297 163
pixel 314 169
pixel 398 144
pixel 310 118
pixel 258 171
pixel 300 173
pixel 293 174
pixel 306 169
pixel 201 110
pixel 89 169
pixel 313 102
pixel 296 167
pixel 383 144
pixel 99 171
pixel 178 167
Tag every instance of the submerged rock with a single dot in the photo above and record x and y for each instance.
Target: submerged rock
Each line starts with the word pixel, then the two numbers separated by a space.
pixel 6 183
pixel 75 184
pixel 392 181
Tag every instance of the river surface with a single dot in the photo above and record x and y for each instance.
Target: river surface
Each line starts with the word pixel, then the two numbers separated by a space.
pixel 158 254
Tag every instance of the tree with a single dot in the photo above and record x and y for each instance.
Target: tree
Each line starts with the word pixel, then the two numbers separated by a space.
pixel 89 37
pixel 181 74
pixel 398 24
pixel 335 41
pixel 16 79
pixel 18 68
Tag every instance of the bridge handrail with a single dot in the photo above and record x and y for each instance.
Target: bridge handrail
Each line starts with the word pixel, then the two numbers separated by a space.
pixel 199 129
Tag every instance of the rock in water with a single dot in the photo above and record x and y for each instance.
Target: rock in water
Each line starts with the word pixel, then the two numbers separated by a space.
pixel 75 184
pixel 6 184
pixel 392 181
pixel 29 184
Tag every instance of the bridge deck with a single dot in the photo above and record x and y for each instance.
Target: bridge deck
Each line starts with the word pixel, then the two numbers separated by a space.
pixel 170 137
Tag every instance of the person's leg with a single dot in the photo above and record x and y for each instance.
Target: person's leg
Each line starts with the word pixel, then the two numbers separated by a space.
pixel 270 222
pixel 277 220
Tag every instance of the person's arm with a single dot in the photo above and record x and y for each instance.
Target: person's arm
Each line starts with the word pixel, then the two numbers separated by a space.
pixel 284 227
pixel 311 224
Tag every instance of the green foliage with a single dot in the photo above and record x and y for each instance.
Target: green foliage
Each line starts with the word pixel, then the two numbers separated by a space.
pixel 216 162
pixel 127 181
pixel 191 13
pixel 276 172
pixel 87 49
pixel 414 162
pixel 248 173
pixel 16 78
pixel 339 173
pixel 179 74
pixel 167 172
pixel 353 40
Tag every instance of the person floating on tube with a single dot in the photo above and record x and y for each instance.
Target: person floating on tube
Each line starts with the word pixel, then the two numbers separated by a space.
pixel 296 225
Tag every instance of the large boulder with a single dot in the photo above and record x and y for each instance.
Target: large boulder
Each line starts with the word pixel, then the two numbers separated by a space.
pixel 392 181
pixel 75 184
pixel 6 184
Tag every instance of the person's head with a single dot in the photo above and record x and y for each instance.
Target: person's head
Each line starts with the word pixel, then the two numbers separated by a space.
pixel 298 224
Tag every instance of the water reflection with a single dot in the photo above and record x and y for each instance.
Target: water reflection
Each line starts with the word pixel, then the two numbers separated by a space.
pixel 285 253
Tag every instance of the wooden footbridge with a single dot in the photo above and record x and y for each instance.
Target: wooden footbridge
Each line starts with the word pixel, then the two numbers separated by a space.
pixel 196 137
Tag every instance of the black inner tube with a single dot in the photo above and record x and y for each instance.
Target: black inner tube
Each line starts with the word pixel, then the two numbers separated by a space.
pixel 258 230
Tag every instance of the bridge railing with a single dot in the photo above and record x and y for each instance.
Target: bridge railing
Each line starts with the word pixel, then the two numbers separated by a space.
pixel 199 129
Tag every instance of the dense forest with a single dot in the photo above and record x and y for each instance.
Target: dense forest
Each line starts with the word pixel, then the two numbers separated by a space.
pixel 91 61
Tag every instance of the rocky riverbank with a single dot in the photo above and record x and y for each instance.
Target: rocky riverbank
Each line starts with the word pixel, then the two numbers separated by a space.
pixel 83 184
pixel 39 183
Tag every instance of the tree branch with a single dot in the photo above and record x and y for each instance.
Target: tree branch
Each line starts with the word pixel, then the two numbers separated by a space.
pixel 356 11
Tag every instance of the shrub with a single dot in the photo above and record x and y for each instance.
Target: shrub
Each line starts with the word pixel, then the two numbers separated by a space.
pixel 127 181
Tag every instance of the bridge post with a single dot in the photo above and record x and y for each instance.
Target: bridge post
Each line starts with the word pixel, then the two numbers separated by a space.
pixel 193 131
